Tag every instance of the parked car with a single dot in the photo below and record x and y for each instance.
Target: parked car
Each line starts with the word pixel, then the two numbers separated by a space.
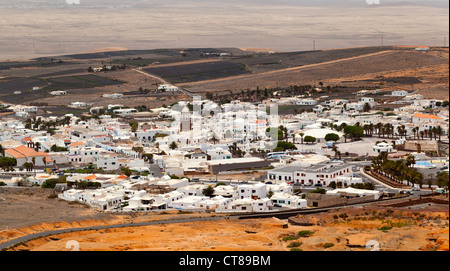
pixel 195 180
pixel 318 185
pixel 268 182
pixel 277 205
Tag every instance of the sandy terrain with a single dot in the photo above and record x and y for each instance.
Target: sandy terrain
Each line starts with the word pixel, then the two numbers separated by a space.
pixel 53 29
pixel 408 232
pixel 27 211
pixel 363 70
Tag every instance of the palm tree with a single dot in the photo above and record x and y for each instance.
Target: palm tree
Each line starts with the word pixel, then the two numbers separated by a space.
pixel 429 182
pixel 414 130
pixel 173 145
pixel 335 149
pixel 214 140
pixel 301 136
pixel 439 132
pixel 410 160
pixel 33 160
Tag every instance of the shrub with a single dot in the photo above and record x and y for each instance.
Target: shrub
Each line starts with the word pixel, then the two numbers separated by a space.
pixel 290 238
pixel 305 233
pixel 328 245
pixel 52 196
pixel 296 249
pixel 295 244
pixel 385 228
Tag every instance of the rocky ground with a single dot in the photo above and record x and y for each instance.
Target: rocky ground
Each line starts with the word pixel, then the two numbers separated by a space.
pixel 342 230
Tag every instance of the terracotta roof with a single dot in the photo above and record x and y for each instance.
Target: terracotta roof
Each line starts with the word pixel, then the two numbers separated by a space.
pixel 122 177
pixel 77 144
pixel 26 138
pixel 91 177
pixel 23 151
pixel 41 153
pixel 14 153
pixel 426 116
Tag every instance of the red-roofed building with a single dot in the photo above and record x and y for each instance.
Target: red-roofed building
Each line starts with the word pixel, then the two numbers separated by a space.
pixel 24 154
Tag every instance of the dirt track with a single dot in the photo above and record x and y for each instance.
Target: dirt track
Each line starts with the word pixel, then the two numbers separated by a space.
pixel 430 68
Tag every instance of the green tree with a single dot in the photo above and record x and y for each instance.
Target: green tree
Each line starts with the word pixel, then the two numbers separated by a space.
pixel 173 145
pixel 270 194
pixel 332 137
pixel 208 191
pixel 134 126
pixel 310 139
pixel 126 171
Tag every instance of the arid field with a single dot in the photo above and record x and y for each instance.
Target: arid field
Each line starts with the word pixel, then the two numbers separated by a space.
pixel 30 211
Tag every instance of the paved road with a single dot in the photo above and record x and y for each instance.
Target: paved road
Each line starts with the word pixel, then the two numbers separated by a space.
pixel 140 224
pixel 281 215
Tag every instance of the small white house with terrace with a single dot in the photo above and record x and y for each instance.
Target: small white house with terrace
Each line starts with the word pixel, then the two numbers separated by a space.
pixel 213 203
pixel 247 206
pixel 193 189
pixel 383 147
pixel 252 191
pixel 189 202
pixel 288 200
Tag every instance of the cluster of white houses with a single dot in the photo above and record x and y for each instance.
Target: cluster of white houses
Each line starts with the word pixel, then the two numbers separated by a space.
pixel 201 136
pixel 122 194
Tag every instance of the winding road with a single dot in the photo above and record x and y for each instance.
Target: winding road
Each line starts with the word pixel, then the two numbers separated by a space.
pixel 279 214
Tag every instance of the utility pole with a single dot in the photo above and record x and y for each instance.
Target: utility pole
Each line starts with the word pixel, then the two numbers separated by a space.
pixel 314 45
pixel 382 40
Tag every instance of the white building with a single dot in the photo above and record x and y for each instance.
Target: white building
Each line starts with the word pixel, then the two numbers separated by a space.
pixel 306 102
pixel 58 93
pixel 320 174
pixel 246 206
pixel 288 201
pixel 252 191
pixel 168 87
pixel 399 93
pixel 383 147
pixel 188 202
pixel 193 189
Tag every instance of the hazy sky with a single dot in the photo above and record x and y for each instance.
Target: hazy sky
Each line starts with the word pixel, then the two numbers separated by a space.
pixel 33 28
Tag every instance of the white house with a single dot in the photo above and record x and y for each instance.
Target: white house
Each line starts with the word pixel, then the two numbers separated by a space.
pixel 288 200
pixel 383 147
pixel 213 203
pixel 193 189
pixel 108 161
pixel 423 48
pixel 58 93
pixel 252 191
pixel 168 87
pixel 188 202
pixel 306 102
pixel 246 206
pixel 399 93
pixel 319 174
